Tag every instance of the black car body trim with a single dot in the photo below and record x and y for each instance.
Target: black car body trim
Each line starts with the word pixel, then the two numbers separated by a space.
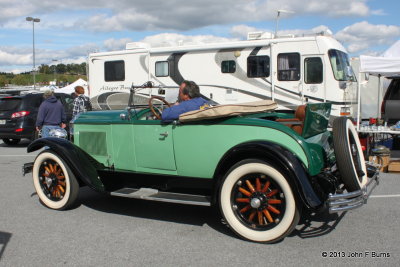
pixel 281 157
pixel 84 167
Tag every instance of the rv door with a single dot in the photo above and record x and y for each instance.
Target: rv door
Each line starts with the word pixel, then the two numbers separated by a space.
pixel 313 80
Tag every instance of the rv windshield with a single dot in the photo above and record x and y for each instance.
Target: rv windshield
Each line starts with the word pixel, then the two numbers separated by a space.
pixel 341 66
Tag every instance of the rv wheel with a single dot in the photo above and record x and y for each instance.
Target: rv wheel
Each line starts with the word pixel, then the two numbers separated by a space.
pixel 349 155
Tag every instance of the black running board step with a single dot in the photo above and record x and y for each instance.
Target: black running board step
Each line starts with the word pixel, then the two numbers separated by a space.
pixel 154 194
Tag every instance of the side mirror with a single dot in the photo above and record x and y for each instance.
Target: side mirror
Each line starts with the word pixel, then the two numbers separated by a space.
pixel 342 85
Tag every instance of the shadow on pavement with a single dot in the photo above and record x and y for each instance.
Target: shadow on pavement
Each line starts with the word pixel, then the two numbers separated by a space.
pixel 170 212
pixel 317 224
pixel 4 239
pixel 310 225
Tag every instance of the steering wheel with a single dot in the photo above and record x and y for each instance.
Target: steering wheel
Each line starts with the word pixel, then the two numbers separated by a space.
pixel 153 108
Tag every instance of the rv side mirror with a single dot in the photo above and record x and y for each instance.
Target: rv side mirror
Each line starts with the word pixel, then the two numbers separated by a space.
pixel 366 77
pixel 342 85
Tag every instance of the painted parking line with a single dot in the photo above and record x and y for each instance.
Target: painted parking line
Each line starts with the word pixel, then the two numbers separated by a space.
pixel 383 196
pixel 30 155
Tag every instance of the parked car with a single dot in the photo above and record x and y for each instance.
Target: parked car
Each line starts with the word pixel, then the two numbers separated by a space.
pixel 391 102
pixel 262 168
pixel 18 112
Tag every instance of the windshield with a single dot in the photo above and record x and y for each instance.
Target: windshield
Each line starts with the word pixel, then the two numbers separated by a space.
pixel 341 66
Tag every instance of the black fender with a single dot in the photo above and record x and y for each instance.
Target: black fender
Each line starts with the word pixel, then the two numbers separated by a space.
pixel 82 164
pixel 281 158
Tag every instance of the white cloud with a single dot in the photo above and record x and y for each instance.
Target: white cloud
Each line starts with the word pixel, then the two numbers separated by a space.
pixel 363 35
pixel 138 15
pixel 241 31
pixel 172 39
pixel 69 19
pixel 10 58
pixel 113 44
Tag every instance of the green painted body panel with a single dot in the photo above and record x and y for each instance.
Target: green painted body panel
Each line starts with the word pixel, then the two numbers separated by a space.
pixel 199 148
pixel 317 119
pixel 191 149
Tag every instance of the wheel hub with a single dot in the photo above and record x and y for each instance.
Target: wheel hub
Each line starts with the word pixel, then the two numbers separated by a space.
pixel 51 180
pixel 258 200
pixel 255 203
pixel 48 181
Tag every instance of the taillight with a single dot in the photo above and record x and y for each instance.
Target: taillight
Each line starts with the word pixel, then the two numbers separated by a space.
pixel 19 130
pixel 345 111
pixel 20 114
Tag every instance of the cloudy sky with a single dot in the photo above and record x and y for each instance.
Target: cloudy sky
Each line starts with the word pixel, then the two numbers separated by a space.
pixel 69 30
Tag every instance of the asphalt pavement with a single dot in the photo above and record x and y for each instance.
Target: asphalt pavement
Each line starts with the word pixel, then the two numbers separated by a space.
pixel 114 231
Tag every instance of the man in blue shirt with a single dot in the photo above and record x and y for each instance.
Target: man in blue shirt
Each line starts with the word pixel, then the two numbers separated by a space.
pixel 51 114
pixel 189 99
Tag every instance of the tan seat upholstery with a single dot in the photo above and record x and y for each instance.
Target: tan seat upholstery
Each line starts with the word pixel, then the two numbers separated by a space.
pixel 296 123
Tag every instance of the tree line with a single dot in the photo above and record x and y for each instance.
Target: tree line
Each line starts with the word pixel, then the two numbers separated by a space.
pixel 74 69
pixel 61 73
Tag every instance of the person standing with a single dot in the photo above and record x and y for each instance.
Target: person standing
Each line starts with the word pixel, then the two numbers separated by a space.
pixel 81 103
pixel 51 114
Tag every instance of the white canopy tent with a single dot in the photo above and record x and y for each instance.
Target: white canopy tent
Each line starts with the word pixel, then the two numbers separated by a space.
pixel 388 66
pixel 69 89
pixel 380 66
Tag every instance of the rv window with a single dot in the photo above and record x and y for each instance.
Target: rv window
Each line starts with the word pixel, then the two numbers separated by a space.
pixel 114 71
pixel 313 70
pixel 162 69
pixel 289 67
pixel 228 66
pixel 257 66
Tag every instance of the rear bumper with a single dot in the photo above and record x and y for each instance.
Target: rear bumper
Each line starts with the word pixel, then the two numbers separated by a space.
pixel 355 199
pixel 26 132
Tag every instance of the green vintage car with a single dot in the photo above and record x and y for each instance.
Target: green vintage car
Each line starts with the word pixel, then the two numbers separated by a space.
pixel 262 168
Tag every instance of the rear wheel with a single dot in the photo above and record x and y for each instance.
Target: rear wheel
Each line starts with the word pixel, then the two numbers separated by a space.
pixel 11 141
pixel 54 182
pixel 257 202
pixel 349 155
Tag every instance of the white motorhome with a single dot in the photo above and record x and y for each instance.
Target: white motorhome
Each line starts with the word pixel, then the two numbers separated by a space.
pixel 289 70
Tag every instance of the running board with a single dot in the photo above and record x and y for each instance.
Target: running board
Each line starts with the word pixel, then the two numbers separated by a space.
pixel 155 195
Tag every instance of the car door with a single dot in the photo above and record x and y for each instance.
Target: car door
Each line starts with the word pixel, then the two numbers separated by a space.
pixel 153 144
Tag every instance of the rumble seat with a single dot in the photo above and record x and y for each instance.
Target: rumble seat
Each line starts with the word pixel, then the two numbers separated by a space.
pixel 297 122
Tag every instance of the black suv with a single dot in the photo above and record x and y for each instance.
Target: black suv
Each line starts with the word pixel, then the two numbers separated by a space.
pixel 18 112
pixel 391 102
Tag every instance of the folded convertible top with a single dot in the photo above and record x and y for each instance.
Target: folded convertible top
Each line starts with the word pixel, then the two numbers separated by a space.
pixel 228 110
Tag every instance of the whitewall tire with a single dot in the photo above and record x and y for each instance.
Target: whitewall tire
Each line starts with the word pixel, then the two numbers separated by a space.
pixel 54 182
pixel 349 154
pixel 257 202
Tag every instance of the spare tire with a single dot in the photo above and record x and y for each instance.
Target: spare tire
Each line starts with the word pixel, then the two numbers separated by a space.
pixel 349 155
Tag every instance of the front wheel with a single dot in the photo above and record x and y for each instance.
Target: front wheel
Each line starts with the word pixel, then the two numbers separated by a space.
pixel 257 202
pixel 54 182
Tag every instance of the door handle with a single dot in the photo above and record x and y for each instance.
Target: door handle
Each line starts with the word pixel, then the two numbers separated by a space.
pixel 164 134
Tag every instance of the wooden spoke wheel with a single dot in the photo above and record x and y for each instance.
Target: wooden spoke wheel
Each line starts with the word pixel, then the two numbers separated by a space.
pixel 156 111
pixel 54 182
pixel 257 202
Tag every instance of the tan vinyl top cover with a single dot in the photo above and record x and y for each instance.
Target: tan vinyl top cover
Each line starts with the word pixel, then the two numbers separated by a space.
pixel 228 110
